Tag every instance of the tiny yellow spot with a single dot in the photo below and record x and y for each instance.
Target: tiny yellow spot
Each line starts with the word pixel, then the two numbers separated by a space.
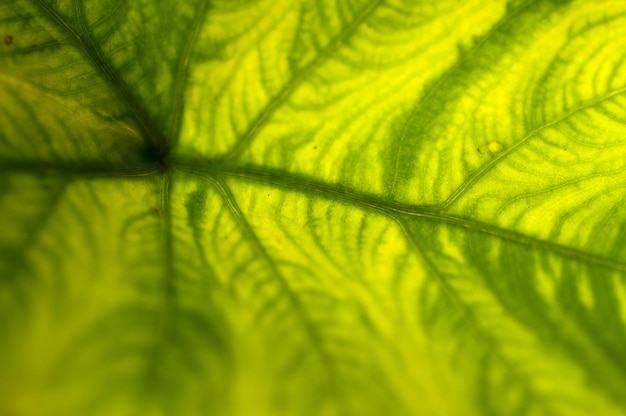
pixel 494 146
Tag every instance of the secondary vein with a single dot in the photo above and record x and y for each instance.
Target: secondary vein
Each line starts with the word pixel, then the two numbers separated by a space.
pixel 83 40
pixel 297 79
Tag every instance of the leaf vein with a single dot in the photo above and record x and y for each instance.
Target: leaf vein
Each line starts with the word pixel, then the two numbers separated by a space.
pixel 92 51
pixel 298 79
pixel 363 201
pixel 496 160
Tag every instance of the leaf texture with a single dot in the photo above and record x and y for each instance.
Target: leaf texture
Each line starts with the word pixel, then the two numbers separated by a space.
pixel 334 207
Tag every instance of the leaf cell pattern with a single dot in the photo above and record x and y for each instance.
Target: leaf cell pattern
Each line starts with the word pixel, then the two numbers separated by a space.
pixel 332 207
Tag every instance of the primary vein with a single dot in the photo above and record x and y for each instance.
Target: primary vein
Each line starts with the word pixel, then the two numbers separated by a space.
pixel 395 210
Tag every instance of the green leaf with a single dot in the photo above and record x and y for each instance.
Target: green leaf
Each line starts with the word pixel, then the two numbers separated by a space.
pixel 333 207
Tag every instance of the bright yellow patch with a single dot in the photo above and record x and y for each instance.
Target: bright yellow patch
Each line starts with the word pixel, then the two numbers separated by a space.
pixel 494 146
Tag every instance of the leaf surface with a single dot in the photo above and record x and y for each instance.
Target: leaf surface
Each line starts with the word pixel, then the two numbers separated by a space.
pixel 345 207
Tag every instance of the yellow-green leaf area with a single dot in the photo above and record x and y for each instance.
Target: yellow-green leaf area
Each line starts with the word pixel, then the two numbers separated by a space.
pixel 333 207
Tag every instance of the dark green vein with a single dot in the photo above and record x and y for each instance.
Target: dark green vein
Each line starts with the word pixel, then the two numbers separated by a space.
pixel 496 160
pixel 166 316
pixel 457 68
pixel 519 238
pixel 297 79
pixel 195 205
pixel 468 316
pixel 85 44
pixel 309 187
pixel 182 74
pixel 240 218
pixel 74 169
pixel 294 301
pixel 300 184
pixel 168 248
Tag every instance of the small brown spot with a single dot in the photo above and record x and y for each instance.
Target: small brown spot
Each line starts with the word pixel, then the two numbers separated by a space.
pixel 314 147
pixel 158 211
pixel 8 40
